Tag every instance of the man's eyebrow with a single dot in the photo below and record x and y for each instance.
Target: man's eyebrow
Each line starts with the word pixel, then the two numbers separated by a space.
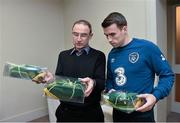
pixel 110 33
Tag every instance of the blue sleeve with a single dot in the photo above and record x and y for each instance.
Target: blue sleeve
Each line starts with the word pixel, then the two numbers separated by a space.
pixel 109 82
pixel 163 70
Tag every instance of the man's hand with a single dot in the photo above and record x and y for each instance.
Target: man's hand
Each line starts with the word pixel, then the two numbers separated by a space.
pixel 44 77
pixel 89 85
pixel 150 102
pixel 111 90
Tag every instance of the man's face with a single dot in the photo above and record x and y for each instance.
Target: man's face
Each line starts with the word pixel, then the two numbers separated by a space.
pixel 81 36
pixel 115 35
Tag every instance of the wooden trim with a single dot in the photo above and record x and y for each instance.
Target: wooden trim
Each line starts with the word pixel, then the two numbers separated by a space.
pixel 177 88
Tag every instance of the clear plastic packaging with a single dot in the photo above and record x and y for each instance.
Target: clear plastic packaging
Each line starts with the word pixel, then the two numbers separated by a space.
pixel 23 71
pixel 63 88
pixel 123 101
pixel 66 89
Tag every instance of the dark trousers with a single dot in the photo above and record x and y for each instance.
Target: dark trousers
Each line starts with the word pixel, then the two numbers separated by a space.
pixel 66 113
pixel 119 116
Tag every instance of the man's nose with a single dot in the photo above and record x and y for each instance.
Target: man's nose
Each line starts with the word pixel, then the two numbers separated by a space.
pixel 79 37
pixel 109 38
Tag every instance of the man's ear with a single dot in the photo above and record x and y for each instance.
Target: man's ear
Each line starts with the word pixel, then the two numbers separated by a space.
pixel 125 28
pixel 90 35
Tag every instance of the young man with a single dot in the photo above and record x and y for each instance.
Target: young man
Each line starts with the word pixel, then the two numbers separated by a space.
pixel 132 66
pixel 87 63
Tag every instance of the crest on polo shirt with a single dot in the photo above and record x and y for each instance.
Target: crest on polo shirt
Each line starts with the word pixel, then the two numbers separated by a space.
pixel 120 78
pixel 134 57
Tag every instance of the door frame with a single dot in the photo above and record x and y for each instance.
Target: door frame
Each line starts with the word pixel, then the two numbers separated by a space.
pixel 175 106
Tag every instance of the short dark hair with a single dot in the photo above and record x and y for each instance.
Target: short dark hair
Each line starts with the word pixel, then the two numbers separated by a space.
pixel 114 18
pixel 85 22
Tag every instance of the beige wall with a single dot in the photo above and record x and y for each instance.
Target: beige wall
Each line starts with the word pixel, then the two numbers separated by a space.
pixel 31 33
pixel 0 57
pixel 161 18
pixel 169 45
pixel 96 10
pixel 34 31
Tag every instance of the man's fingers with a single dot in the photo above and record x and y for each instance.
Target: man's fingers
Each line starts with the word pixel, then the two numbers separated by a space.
pixel 84 80
pixel 43 77
pixel 89 85
pixel 142 95
pixel 88 92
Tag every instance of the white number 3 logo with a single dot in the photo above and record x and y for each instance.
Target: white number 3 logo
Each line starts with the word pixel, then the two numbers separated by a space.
pixel 120 77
